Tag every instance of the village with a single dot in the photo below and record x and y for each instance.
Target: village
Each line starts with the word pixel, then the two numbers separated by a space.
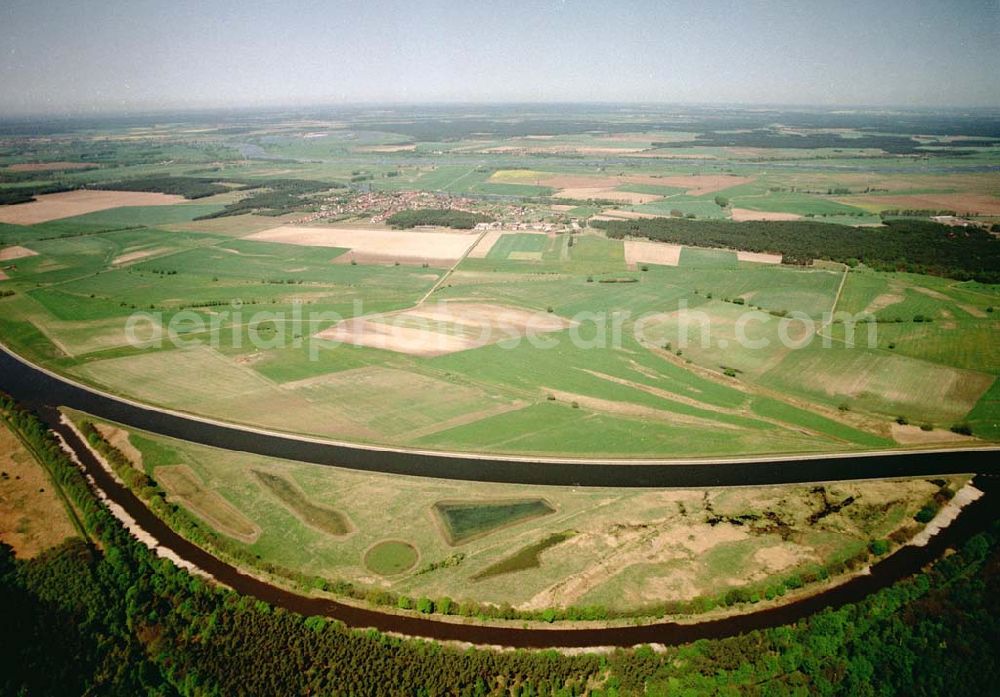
pixel 377 207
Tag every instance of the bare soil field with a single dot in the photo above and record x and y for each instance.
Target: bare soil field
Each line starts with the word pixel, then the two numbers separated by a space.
pixel 32 517
pixel 444 328
pixel 641 251
pixel 67 204
pixel 961 203
pixel 617 214
pixel 16 252
pixel 743 214
pixel 693 184
pixel 46 166
pixel 3 276
pixel 588 193
pixel 373 245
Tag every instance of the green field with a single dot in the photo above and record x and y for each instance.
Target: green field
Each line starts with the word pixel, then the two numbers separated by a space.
pixel 391 557
pixel 600 388
pixel 543 547
pixel 464 521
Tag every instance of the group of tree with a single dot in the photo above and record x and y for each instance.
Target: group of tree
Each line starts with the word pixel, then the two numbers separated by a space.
pixel 26 194
pixel 188 187
pixel 274 197
pixel 108 616
pixel 917 246
pixel 441 217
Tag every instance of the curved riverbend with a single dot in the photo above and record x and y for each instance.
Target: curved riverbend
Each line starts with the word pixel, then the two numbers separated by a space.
pixel 37 387
pixel 906 561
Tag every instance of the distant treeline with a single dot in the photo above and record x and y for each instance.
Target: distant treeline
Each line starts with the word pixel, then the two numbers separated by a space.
pixel 917 246
pixel 26 194
pixel 188 187
pixel 766 138
pixel 273 197
pixel 443 217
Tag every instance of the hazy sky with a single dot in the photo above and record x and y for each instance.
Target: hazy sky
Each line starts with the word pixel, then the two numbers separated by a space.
pixel 72 55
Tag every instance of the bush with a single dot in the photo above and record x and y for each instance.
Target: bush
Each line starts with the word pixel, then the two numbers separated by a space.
pixel 963 429
pixel 879 547
pixel 926 427
pixel 902 420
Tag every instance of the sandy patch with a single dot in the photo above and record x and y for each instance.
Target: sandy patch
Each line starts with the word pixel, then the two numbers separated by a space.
pixel 135 256
pixel 375 245
pixel 16 252
pixel 485 244
pixel 643 251
pixel 930 293
pixel 974 311
pixel 758 257
pixel 742 214
pixel 913 435
pixel 883 301
pixel 963 497
pixel 444 328
pixel 45 166
pixel 4 276
pixel 70 203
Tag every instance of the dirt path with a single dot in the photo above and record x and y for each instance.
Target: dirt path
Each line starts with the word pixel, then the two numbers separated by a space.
pixel 454 266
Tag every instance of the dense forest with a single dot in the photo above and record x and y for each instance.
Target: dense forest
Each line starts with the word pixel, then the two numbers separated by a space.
pixel 443 217
pixel 26 194
pixel 107 616
pixel 767 138
pixel 917 246
pixel 188 187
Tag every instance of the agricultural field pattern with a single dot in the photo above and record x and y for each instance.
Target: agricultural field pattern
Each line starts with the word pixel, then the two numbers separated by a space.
pixel 569 283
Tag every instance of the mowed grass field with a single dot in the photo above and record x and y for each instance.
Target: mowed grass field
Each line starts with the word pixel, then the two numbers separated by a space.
pixel 532 547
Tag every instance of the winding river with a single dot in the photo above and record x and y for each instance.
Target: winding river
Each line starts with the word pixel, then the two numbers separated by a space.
pixel 42 391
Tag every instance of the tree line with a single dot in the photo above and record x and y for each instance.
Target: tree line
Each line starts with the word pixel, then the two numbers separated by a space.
pixel 916 246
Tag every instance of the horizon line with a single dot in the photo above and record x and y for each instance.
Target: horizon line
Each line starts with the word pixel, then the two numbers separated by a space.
pixel 83 112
